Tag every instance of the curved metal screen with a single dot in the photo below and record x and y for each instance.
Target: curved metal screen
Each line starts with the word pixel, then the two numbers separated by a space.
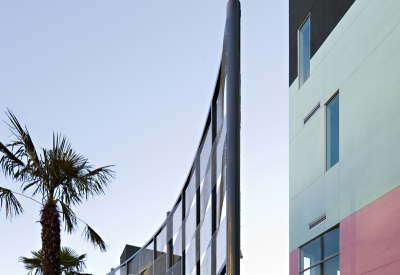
pixel 193 238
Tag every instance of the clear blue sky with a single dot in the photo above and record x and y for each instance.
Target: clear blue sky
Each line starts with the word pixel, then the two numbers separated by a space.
pixel 129 82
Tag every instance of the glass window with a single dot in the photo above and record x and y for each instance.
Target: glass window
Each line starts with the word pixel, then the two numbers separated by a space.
pixel 313 271
pixel 332 132
pixel 331 242
pixel 321 256
pixel 332 266
pixel 311 253
pixel 304 52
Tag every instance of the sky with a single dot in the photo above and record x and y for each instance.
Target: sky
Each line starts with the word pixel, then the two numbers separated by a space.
pixel 129 83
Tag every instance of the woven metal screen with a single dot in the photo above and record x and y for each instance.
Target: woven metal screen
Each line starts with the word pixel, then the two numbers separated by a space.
pixel 193 238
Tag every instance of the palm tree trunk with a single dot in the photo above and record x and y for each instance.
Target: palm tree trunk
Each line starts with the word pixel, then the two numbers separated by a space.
pixel 50 220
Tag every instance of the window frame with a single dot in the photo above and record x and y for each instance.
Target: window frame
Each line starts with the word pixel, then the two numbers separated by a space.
pixel 298 48
pixel 300 271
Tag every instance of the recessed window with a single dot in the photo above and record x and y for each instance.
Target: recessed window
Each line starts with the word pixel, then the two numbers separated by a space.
pixel 332 132
pixel 321 256
pixel 304 51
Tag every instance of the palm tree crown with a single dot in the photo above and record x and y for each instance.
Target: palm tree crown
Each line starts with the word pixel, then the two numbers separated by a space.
pixel 71 262
pixel 60 177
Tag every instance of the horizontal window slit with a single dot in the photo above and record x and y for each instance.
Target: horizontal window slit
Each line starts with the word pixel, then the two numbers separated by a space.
pixel 310 114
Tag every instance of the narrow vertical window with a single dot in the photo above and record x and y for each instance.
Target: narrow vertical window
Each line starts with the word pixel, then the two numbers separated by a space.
pixel 332 132
pixel 304 51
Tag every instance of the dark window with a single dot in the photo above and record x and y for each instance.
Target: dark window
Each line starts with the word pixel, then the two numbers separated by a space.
pixel 304 52
pixel 332 132
pixel 321 256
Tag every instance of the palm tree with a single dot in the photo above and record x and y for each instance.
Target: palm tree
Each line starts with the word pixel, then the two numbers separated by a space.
pixel 71 262
pixel 60 177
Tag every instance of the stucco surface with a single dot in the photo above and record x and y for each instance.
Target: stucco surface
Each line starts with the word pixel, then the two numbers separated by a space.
pixel 294 262
pixel 370 238
pixel 297 215
pixel 360 59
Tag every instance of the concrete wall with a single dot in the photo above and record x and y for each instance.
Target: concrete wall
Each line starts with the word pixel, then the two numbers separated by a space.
pixel 361 59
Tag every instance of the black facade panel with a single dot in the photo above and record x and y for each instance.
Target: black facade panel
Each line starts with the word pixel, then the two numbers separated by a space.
pixel 293 57
pixel 303 9
pixel 317 27
pixel 292 17
pixel 333 12
pixel 325 15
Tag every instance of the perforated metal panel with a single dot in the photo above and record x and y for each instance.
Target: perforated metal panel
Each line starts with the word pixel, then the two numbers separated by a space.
pixel 205 195
pixel 177 234
pixel 205 262
pixel 146 257
pixel 123 270
pixel 177 269
pixel 160 265
pixel 177 218
pixel 205 153
pixel 221 245
pixel 190 192
pixel 191 229
pixel 190 262
pixel 190 225
pixel 193 238
pixel 148 271
pixel 133 266
pixel 205 232
pixel 177 246
pixel 161 244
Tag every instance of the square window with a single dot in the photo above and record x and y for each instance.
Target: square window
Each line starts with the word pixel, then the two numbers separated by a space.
pixel 304 51
pixel 321 255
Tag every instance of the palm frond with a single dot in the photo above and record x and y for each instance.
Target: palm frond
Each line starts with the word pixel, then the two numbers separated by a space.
pixel 30 184
pixel 71 262
pixel 24 139
pixel 11 204
pixel 76 178
pixel 70 162
pixel 19 159
pixel 69 218
pixel 68 194
pixel 94 181
pixel 9 162
pixel 90 235
pixel 57 174
pixel 33 264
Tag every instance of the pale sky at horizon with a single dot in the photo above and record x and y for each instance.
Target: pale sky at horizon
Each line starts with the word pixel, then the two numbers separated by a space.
pixel 129 82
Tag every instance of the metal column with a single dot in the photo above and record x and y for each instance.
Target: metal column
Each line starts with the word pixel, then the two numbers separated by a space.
pixel 233 136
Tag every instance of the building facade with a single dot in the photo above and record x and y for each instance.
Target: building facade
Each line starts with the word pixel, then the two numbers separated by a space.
pixel 344 78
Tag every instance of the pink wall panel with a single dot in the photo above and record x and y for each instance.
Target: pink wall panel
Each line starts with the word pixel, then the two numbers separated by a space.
pixel 389 269
pixel 294 262
pixel 370 238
